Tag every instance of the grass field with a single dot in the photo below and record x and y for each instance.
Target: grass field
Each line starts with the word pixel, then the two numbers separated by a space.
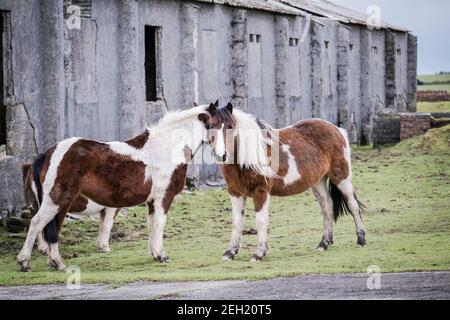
pixel 406 189
pixel 433 106
pixel 434 82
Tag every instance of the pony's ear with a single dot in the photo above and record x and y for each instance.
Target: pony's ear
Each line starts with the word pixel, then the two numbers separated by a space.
pixel 229 108
pixel 203 117
pixel 217 103
pixel 212 109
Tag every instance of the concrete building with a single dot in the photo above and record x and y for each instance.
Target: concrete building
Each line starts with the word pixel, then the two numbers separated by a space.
pixel 105 69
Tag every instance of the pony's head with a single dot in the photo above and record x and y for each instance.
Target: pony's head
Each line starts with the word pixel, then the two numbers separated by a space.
pixel 220 125
pixel 238 137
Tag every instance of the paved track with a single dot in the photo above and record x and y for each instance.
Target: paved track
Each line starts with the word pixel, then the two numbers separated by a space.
pixel 421 285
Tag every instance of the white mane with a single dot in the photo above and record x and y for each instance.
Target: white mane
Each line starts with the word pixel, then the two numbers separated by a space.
pixel 252 143
pixel 177 118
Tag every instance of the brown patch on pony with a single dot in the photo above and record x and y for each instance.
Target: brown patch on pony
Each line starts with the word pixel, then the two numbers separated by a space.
pixel 139 141
pixel 176 185
pixel 92 169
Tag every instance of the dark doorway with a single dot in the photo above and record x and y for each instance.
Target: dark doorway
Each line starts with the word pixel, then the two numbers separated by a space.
pixel 151 38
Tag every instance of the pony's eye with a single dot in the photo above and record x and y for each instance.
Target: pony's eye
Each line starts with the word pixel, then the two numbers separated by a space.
pixel 207 127
pixel 229 126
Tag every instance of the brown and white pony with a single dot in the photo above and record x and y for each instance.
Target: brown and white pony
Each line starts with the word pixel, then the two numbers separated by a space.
pixel 80 206
pixel 308 154
pixel 150 168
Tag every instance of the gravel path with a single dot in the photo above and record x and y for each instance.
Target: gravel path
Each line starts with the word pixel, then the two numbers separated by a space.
pixel 421 285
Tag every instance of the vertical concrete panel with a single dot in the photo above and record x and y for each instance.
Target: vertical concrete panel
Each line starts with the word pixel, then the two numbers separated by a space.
pixel 210 46
pixel 348 86
pixel 412 73
pixel 105 14
pixel 52 48
pixel 240 61
pixel 189 38
pixel 281 70
pixel 293 113
pixel 130 112
pixel 324 70
pixel 306 110
pixel 81 111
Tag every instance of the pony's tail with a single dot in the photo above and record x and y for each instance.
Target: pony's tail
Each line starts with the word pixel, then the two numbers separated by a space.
pixel 340 206
pixel 50 230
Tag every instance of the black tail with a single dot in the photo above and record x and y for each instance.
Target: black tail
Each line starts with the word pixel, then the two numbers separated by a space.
pixel 50 230
pixel 340 206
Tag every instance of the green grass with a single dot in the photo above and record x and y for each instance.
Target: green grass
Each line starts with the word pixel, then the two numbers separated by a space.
pixel 405 188
pixel 433 106
pixel 434 87
pixel 434 82
pixel 434 77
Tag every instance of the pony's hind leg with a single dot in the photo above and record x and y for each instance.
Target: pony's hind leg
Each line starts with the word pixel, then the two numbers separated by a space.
pixel 43 245
pixel 238 212
pixel 106 223
pixel 261 201
pixel 54 258
pixel 347 190
pixel 326 205
pixel 45 214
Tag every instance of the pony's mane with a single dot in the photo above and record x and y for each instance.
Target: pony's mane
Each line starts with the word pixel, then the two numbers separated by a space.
pixel 253 137
pixel 178 117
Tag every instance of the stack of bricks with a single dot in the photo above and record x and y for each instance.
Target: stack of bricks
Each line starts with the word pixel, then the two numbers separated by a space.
pixel 412 124
pixel 391 127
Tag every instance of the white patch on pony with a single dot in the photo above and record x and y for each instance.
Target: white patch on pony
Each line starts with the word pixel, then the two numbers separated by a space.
pixel 220 144
pixel 92 208
pixel 292 174
pixel 347 184
pixel 55 160
pixel 252 144
pixel 34 190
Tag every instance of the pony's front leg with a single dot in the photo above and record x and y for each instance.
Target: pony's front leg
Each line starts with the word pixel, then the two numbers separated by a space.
pixel 157 221
pixel 238 205
pixel 261 200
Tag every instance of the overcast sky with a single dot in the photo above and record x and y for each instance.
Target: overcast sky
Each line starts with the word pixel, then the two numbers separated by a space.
pixel 429 20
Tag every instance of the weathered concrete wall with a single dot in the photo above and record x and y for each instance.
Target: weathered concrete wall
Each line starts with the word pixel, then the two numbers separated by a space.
pixel 90 81
pixel 33 96
pixel 324 39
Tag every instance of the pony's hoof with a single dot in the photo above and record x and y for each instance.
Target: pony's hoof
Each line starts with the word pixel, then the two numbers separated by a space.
pixel 361 243
pixel 228 255
pixel 43 250
pixel 323 246
pixel 103 249
pixel 24 265
pixel 255 258
pixel 162 259
pixel 56 265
